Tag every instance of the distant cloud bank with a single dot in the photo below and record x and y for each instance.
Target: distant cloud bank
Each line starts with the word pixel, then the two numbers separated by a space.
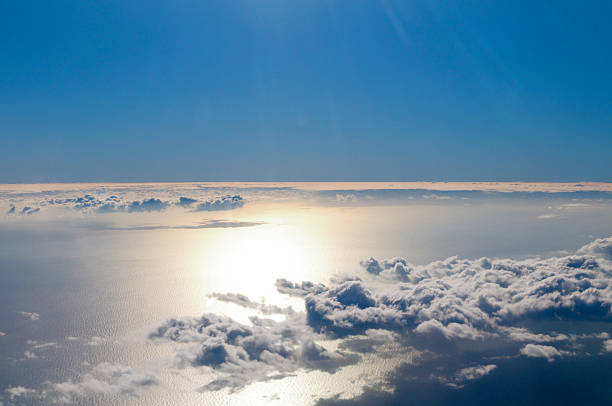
pixel 116 204
pixel 26 200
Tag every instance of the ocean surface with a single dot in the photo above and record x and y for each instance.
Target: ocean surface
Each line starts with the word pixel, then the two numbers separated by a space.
pixel 102 289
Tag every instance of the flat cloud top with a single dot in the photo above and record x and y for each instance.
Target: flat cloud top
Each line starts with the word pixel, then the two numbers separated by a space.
pixel 446 186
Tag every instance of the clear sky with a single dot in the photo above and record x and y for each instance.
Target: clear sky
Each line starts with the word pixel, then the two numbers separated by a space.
pixel 305 90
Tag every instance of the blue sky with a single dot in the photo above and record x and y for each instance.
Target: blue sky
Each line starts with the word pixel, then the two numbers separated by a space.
pixel 305 90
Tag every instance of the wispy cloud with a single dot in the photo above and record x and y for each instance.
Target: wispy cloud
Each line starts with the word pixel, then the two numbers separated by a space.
pixel 201 225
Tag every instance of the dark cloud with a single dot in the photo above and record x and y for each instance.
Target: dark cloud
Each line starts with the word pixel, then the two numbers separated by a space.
pixel 147 205
pixel 185 202
pixel 110 204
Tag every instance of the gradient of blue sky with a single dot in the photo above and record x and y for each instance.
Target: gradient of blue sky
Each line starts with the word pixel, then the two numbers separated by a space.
pixel 305 90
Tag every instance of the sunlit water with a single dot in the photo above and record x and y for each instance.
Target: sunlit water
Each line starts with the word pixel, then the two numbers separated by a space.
pixel 100 284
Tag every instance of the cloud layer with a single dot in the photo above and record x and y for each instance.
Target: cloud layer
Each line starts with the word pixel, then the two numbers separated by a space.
pixel 25 200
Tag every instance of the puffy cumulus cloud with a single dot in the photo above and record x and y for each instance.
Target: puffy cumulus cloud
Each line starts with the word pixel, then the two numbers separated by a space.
pixel 114 204
pixel 89 203
pixel 601 247
pixel 467 321
pixel 460 312
pixel 484 294
pixel 147 205
pixel 238 354
pixel 540 351
pixel 221 203
pixel 96 203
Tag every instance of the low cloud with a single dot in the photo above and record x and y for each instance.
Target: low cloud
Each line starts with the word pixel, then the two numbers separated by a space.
pixel 103 379
pixel 30 315
pixel 15 392
pixel 465 320
pixel 239 354
pixel 540 351
pixel 601 247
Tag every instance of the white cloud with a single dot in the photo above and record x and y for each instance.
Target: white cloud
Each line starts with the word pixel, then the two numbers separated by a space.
pixel 105 378
pixel 465 375
pixel 548 216
pixel 601 247
pixel 540 351
pixel 41 344
pixel 30 315
pixel 18 391
pixel 30 355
